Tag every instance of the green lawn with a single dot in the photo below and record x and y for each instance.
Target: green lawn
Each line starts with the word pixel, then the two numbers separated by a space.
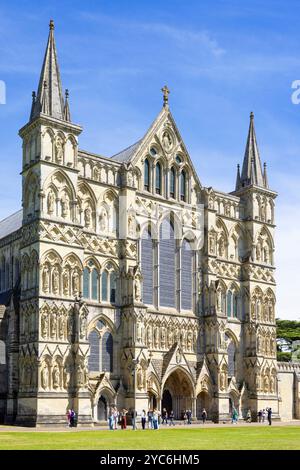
pixel 264 437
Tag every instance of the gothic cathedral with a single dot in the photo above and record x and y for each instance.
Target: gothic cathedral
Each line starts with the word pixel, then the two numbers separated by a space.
pixel 125 281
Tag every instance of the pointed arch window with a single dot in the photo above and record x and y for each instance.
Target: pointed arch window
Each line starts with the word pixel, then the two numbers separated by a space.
pixel 186 275
pixel 167 264
pixel 172 183
pixel 229 303
pixel 146 175
pixel 101 349
pixel 104 277
pixel 158 178
pixel 95 281
pixel 147 266
pixel 113 287
pixel 86 283
pixel 183 186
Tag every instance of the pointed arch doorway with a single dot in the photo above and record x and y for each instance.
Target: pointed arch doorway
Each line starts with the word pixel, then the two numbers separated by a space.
pixel 178 393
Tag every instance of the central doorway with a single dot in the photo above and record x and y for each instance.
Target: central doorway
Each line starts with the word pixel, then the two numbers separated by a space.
pixel 178 393
pixel 167 402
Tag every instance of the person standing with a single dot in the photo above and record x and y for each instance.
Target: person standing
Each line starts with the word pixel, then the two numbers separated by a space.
pixel 259 416
pixel 115 417
pixel 171 418
pixel 133 418
pixel 263 415
pixel 150 419
pixel 111 418
pixel 69 417
pixel 185 417
pixel 164 416
pixel 269 410
pixel 124 418
pixel 248 419
pixel 204 415
pixel 189 416
pixel 155 419
pixel 143 419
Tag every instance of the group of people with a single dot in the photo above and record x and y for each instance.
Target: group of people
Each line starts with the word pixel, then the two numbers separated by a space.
pixel 262 415
pixel 119 418
pixel 71 417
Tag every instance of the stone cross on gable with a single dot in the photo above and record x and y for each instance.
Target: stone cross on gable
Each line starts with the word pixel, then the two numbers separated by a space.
pixel 166 92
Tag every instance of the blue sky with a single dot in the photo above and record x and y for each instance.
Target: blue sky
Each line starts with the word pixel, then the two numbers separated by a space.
pixel 220 59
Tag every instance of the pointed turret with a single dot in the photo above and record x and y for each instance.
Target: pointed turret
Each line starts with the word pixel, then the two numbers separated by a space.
pixel 238 178
pixel 252 170
pixel 266 183
pixel 67 114
pixel 49 98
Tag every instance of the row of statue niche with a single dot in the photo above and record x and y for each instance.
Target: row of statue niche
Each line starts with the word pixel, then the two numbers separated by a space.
pixel 28 373
pixel 55 278
pixel 57 377
pixel 166 337
pixel 266 345
pixel 65 208
pixel 262 254
pixel 265 383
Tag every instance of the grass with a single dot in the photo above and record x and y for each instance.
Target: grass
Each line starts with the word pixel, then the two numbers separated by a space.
pixel 246 438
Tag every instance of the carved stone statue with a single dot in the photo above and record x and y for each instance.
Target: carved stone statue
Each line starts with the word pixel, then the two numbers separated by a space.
pixel 219 300
pixel 103 220
pixel 75 282
pixel 53 325
pixel 137 289
pixel 64 205
pixel 211 244
pixel 55 280
pixel 50 202
pixel 61 326
pixel 44 325
pixel 45 279
pixel 59 149
pixel 167 141
pixel 45 377
pixel 140 384
pixel 221 247
pixel 88 217
pixel 223 380
pixel 258 252
pixel 83 326
pixel 149 336
pixel 66 282
pixel 55 377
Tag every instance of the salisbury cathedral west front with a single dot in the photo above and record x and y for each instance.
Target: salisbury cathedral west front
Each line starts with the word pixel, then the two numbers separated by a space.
pixel 123 280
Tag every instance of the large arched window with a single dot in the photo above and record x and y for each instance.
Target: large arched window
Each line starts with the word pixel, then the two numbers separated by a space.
pixel 101 349
pixel 172 183
pixel 147 266
pixel 186 275
pixel 183 186
pixel 146 175
pixel 167 266
pixel 158 178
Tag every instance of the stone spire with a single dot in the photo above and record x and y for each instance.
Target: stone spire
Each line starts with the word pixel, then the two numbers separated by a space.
pixel 252 170
pixel 49 99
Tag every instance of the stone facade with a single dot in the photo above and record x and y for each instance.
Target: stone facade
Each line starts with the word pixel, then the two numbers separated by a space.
pixel 98 307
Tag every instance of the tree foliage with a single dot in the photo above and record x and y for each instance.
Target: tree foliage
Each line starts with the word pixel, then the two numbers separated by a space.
pixel 287 332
